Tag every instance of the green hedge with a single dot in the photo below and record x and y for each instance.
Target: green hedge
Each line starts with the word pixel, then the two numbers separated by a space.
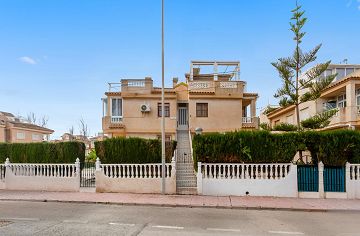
pixel 132 150
pixel 333 148
pixel 64 152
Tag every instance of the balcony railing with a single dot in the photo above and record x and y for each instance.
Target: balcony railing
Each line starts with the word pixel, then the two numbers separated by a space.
pixel 136 83
pixel 116 119
pixel 247 120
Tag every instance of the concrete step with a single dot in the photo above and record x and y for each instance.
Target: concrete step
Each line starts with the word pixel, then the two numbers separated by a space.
pixel 186 183
pixel 187 190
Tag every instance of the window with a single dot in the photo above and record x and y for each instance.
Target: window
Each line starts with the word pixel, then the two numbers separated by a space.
pixel 341 101
pixel 341 73
pixel 116 107
pixel 290 119
pixel 36 137
pixel 349 71
pixel 167 109
pixel 358 97
pixel 201 110
pixel 105 106
pixel 277 122
pixel 20 135
pixel 304 113
pixel 331 104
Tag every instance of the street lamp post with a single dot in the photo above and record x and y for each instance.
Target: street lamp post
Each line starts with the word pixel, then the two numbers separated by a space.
pixel 162 103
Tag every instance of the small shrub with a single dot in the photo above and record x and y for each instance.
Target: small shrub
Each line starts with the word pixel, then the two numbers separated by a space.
pixel 333 148
pixel 64 152
pixel 265 126
pixel 132 150
pixel 285 127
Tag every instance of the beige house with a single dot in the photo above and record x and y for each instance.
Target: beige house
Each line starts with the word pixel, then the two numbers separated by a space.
pixel 343 94
pixel 15 130
pixel 213 101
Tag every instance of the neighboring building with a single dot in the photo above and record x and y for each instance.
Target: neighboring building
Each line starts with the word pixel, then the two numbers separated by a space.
pixel 343 94
pixel 88 141
pixel 15 130
pixel 215 102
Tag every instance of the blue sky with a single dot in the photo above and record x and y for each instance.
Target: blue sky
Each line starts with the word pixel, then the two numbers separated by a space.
pixel 56 57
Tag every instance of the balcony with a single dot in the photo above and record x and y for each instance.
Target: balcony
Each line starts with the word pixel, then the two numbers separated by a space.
pixel 345 115
pixel 250 122
pixel 112 122
pixel 132 85
pixel 217 86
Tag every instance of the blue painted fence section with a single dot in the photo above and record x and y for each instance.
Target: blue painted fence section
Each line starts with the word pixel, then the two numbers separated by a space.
pixel 308 178
pixel 334 179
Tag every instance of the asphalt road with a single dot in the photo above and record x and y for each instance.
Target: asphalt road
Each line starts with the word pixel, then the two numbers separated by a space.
pixel 46 218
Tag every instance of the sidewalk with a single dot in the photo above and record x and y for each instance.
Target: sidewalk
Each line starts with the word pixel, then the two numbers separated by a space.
pixel 231 202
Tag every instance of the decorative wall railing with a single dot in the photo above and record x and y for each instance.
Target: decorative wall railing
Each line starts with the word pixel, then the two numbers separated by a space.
pixel 247 120
pixel 245 171
pixel 2 172
pixel 45 170
pixel 355 172
pixel 116 119
pixel 136 170
pixel 136 83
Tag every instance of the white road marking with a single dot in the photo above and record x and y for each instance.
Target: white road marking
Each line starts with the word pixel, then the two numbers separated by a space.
pixel 121 224
pixel 223 230
pixel 286 232
pixel 167 227
pixel 76 221
pixel 21 219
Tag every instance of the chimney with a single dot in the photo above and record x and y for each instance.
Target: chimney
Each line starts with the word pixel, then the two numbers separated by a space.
pixel 175 81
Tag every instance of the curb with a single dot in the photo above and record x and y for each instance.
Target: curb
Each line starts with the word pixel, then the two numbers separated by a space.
pixel 258 208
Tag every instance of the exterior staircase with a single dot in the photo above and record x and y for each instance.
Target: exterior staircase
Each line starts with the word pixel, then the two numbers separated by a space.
pixel 185 174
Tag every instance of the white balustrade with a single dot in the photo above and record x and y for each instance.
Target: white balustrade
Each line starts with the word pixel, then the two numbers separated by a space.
pixel 2 171
pixel 228 85
pixel 245 171
pixel 247 120
pixel 200 85
pixel 135 170
pixel 136 83
pixel 355 172
pixel 116 119
pixel 44 170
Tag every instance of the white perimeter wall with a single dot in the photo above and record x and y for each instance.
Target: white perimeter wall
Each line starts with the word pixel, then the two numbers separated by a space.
pixel 133 185
pixel 41 183
pixel 283 187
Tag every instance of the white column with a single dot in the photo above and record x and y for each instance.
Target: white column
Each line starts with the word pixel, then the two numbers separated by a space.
pixel 215 71
pixel 77 167
pixel 321 180
pixel 97 163
pixel 199 179
pixel 191 72
pixel 348 187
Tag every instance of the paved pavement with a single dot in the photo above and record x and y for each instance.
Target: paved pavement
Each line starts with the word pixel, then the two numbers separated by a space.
pixel 186 200
pixel 54 218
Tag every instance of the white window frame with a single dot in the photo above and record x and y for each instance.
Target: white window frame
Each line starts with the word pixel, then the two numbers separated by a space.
pixel 20 135
pixel 341 101
pixel 36 135
pixel 122 107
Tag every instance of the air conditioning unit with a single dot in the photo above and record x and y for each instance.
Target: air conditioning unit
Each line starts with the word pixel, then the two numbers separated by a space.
pixel 145 108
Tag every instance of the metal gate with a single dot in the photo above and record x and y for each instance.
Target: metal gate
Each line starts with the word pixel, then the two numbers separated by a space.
pixel 87 176
pixel 334 179
pixel 308 178
pixel 182 118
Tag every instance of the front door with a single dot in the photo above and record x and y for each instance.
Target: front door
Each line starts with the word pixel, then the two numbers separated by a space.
pixel 182 119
